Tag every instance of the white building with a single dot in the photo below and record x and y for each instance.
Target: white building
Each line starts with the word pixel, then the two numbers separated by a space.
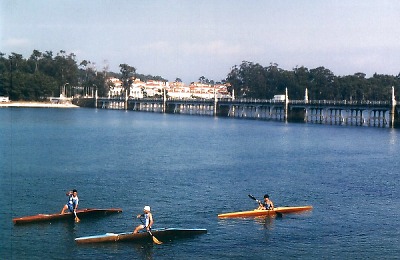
pixel 174 90
pixel 155 88
pixel 178 90
pixel 136 89
pixel 208 91
pixel 4 99
pixel 115 87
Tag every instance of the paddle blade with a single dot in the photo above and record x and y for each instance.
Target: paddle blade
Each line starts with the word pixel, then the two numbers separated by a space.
pixel 76 217
pixel 156 241
pixel 252 197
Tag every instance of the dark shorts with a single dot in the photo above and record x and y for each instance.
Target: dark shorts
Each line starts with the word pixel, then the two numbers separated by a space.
pixel 70 207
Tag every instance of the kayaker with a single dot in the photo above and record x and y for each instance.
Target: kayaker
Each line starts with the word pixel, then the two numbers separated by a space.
pixel 72 203
pixel 267 204
pixel 148 220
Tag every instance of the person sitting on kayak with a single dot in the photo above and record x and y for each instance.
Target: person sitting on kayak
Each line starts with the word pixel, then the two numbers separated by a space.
pixel 72 203
pixel 267 204
pixel 148 220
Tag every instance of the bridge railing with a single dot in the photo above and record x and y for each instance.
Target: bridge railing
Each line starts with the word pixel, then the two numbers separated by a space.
pixel 341 102
pixel 252 100
pixel 265 101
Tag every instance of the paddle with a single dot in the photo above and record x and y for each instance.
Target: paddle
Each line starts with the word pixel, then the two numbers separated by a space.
pixel 155 240
pixel 76 217
pixel 252 197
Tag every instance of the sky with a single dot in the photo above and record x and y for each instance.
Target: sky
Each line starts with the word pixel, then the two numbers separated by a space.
pixel 188 39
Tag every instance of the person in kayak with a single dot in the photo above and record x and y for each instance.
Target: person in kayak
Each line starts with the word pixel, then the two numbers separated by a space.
pixel 148 220
pixel 72 203
pixel 267 204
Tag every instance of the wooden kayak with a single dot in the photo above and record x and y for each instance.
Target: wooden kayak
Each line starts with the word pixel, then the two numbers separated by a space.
pixel 257 212
pixel 82 213
pixel 165 234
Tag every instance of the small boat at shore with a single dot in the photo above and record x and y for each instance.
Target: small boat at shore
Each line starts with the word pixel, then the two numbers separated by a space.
pixel 82 213
pixel 165 234
pixel 257 212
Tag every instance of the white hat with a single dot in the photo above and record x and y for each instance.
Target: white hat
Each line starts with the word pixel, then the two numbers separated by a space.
pixel 147 208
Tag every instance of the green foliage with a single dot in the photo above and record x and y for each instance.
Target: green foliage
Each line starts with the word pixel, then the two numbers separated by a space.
pixel 127 72
pixel 145 78
pixel 43 75
pixel 251 80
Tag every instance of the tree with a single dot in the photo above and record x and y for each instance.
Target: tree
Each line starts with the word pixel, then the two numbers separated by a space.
pixel 202 79
pixel 35 57
pixel 127 72
pixel 15 61
pixel 4 71
pixel 322 80
pixel 235 82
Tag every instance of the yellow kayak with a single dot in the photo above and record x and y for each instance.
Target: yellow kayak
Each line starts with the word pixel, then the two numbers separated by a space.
pixel 262 212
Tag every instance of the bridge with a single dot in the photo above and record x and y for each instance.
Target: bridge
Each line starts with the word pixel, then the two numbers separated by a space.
pixel 356 113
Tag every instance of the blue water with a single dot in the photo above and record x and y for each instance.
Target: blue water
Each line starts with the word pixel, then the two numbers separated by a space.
pixel 189 169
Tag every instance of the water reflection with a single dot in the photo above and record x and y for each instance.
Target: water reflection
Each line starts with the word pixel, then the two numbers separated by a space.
pixel 145 251
pixel 70 228
pixel 267 221
pixel 393 137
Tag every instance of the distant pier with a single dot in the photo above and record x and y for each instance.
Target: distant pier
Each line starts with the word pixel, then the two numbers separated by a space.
pixel 353 113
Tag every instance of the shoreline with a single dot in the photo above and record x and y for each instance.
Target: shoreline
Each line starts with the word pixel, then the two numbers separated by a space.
pixel 36 104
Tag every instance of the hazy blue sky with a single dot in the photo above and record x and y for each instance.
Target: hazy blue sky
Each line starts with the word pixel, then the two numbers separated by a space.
pixel 193 38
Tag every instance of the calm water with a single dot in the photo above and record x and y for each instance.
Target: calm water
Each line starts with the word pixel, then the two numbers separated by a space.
pixel 189 169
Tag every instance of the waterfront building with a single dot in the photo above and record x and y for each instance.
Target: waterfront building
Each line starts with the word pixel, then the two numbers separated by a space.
pixel 4 99
pixel 178 90
pixel 115 87
pixel 174 90
pixel 136 89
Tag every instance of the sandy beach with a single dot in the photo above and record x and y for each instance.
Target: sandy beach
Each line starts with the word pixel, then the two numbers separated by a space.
pixel 36 104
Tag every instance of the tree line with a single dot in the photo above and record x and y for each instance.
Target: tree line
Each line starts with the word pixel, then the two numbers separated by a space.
pixel 44 75
pixel 255 81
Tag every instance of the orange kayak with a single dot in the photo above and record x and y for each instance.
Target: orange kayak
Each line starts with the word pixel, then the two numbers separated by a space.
pixel 50 217
pixel 257 212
